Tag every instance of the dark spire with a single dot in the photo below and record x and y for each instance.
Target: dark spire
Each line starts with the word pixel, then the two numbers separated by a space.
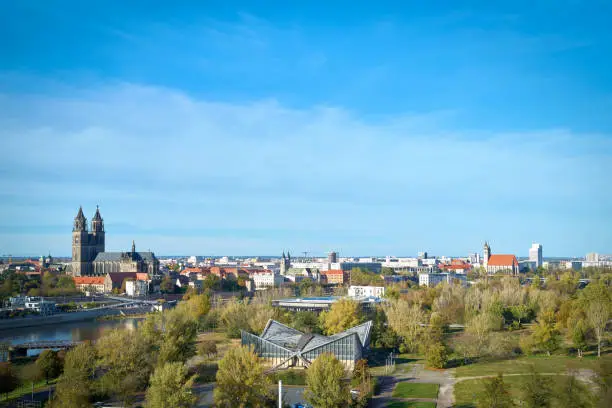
pixel 97 223
pixel 80 222
pixel 97 215
pixel 133 247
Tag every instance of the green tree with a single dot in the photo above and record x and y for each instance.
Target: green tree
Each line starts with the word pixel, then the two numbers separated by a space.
pixel 167 285
pixel 325 383
pixel 579 332
pixel 8 378
pixel 537 391
pixel 75 386
pixel 49 364
pixel 31 373
pixel 307 322
pixel 126 361
pixel 495 394
pixel 520 312
pixel 178 339
pixel 406 320
pixel 235 317
pixel 362 381
pixel 241 381
pixel 342 315
pixel 170 387
pixel 597 304
pixel 436 355
pixel 545 335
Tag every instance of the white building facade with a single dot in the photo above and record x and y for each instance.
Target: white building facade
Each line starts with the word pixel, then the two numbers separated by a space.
pixel 264 280
pixel 535 255
pixel 434 279
pixel 366 291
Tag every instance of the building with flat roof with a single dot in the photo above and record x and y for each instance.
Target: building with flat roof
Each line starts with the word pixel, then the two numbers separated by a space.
pixel 322 303
pixel 535 255
pixel 281 346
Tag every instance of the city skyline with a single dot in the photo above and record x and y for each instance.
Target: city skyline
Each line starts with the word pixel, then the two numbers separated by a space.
pixel 243 129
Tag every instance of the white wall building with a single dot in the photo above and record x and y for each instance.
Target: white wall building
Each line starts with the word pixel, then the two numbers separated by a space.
pixel 44 307
pixel 592 257
pixel 535 254
pixel 264 280
pixel 366 291
pixel 433 279
pixel 136 287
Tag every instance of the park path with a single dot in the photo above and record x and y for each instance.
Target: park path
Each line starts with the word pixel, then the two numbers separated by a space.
pixel 447 380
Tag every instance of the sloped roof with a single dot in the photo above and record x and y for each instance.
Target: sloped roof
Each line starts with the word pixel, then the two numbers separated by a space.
pixel 116 256
pixel 118 277
pixel 502 260
pixel 88 280
pixel 295 340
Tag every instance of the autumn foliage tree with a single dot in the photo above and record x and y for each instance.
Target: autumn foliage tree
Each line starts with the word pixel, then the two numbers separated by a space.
pixel 241 381
pixel 325 383
pixel 342 315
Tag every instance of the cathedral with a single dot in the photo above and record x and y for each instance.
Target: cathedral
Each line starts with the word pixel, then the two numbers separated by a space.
pixel 89 257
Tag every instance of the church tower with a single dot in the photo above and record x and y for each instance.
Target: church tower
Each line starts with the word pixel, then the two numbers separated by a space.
pixel 97 229
pixel 486 254
pixel 285 263
pixel 80 245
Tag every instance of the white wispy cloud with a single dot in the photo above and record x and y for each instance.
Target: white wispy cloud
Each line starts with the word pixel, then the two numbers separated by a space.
pixel 159 157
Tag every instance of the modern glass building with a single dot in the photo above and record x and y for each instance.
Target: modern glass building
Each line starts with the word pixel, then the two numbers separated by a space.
pixel 282 347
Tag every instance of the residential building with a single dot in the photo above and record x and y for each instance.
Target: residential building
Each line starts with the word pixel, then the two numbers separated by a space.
pixel 535 254
pixel 281 346
pixel 375 267
pixel 592 257
pixel 114 281
pixel 90 284
pixel 37 304
pixel 335 276
pixel 266 279
pixel 434 279
pixel 332 257
pixel 456 266
pixel 366 291
pixel 136 287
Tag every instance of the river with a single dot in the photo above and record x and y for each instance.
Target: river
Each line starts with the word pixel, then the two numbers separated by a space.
pixel 75 331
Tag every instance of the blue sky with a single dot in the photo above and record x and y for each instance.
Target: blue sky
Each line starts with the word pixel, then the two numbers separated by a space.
pixel 252 127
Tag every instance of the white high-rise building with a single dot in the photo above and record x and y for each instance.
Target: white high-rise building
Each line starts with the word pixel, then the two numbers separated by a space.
pixel 535 254
pixel 592 257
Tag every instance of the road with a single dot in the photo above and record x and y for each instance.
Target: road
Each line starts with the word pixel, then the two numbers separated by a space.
pixel 291 394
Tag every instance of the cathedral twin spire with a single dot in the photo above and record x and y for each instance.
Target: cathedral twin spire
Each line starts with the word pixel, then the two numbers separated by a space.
pixel 80 221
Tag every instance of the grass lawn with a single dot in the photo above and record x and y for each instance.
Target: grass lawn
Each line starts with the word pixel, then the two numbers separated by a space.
pixel 466 391
pixel 411 404
pixel 416 390
pixel 403 362
pixel 542 364
pixel 289 377
pixel 26 389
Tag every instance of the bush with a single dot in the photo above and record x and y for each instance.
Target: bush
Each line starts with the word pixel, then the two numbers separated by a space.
pixel 436 355
pixel 207 348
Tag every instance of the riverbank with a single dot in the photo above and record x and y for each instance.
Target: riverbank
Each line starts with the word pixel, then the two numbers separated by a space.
pixel 122 317
pixel 34 321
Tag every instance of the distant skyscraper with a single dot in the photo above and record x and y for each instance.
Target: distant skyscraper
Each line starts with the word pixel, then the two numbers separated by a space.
pixel 592 257
pixel 332 257
pixel 535 254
